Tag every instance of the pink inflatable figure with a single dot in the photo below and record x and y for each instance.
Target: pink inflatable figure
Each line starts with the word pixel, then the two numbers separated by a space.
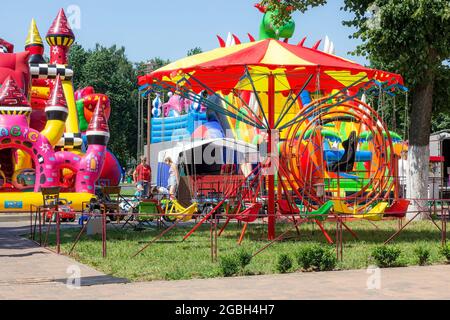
pixel 82 93
pixel 177 104
pixel 91 165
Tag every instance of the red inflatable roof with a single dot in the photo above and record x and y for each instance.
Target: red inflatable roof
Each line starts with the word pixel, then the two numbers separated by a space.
pixel 11 95
pixel 60 26
pixel 16 66
pixel 9 47
pixel 99 123
pixel 57 98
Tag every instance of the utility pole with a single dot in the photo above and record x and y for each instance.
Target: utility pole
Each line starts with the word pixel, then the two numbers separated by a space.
pixel 149 126
pixel 139 126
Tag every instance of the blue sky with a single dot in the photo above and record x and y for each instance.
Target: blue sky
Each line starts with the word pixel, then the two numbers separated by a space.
pixel 168 29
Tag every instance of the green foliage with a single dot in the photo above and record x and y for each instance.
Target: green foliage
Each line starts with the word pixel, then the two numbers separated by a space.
pixel 316 258
pixel 441 121
pixel 405 36
pixel 245 258
pixel 141 68
pixel 445 251
pixel 77 58
pixel 283 9
pixel 410 37
pixel 194 51
pixel 229 265
pixel 109 71
pixel 233 264
pixel 178 274
pixel 386 256
pixel 441 105
pixel 284 263
pixel 423 255
pixel 155 64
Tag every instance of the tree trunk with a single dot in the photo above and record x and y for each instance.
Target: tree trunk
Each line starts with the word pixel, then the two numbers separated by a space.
pixel 419 146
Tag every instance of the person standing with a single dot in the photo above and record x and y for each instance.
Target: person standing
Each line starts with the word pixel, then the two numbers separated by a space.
pixel 143 176
pixel 174 177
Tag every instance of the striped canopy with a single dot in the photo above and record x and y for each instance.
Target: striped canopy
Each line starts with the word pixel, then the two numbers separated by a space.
pixel 247 66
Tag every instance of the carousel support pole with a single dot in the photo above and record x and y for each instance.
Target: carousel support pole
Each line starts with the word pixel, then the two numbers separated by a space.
pixel 139 127
pixel 216 241
pixel 156 239
pixel 270 151
pixel 35 223
pixel 396 178
pixel 31 222
pixel 47 233
pixel 279 195
pixel 80 234
pixel 142 126
pixel 58 232
pixel 104 233
pixel 40 227
pixel 444 213
pixel 149 129
pixel 211 238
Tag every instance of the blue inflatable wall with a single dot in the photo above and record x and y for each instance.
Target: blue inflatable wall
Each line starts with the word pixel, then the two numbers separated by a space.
pixel 176 128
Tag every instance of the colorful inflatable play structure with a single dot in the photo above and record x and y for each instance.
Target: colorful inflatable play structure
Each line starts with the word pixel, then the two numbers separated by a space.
pixel 324 147
pixel 50 136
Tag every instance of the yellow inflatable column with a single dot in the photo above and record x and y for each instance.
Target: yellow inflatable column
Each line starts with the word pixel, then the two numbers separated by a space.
pixel 57 113
pixel 72 125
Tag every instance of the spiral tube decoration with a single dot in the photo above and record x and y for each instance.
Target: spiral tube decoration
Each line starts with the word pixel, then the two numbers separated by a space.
pixel 303 155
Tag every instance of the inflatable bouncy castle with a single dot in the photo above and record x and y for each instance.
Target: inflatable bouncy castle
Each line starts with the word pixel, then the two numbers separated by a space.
pixel 50 136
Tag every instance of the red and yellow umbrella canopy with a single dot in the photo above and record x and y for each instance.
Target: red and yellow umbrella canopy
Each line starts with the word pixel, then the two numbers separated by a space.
pixel 231 68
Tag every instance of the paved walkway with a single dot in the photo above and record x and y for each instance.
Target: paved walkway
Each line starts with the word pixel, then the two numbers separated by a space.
pixel 30 272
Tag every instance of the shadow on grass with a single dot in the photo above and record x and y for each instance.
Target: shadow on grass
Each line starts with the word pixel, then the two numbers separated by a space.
pixel 365 234
pixel 257 233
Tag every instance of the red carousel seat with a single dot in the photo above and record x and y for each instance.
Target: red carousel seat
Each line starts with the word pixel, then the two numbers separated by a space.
pixel 399 209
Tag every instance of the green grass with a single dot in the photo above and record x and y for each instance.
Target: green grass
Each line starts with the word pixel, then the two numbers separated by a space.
pixel 171 259
pixel 128 190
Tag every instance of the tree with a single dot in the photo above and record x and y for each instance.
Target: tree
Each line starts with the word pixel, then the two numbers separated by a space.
pixel 284 8
pixel 109 71
pixel 410 37
pixel 194 51
pixel 155 64
pixel 77 59
pixel 441 100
